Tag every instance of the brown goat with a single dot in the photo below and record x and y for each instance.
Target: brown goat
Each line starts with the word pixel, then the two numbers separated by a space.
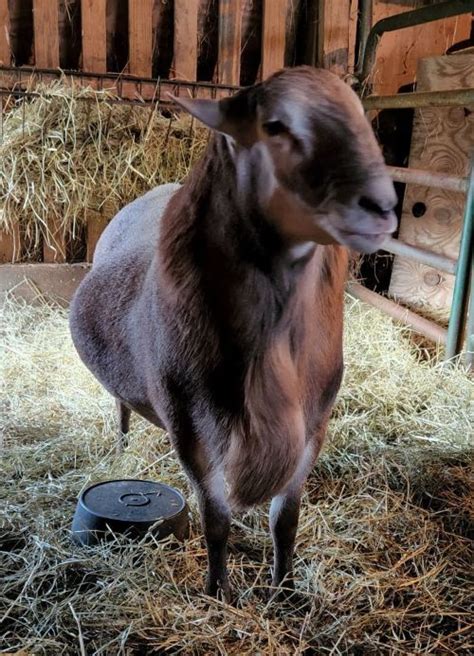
pixel 215 309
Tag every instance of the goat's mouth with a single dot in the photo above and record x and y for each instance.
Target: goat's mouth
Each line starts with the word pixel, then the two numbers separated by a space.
pixel 362 231
pixel 364 242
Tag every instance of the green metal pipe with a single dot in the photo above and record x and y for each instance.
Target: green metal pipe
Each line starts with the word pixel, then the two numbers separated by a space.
pixel 470 327
pixel 451 98
pixel 364 27
pixel 461 284
pixel 398 247
pixel 408 19
pixel 399 313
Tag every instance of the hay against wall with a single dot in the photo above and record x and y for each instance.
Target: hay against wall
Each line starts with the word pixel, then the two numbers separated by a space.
pixel 72 149
pixel 384 558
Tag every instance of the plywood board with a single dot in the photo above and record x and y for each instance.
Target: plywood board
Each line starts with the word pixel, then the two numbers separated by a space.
pixel 140 35
pixel 94 36
pixel 185 39
pixel 333 37
pixel 398 52
pixel 442 141
pixel 273 35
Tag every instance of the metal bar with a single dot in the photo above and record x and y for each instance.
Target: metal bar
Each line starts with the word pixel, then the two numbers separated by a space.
pixel 398 312
pixel 25 72
pixel 409 19
pixel 398 247
pixel 461 284
pixel 427 178
pixel 450 98
pixel 364 27
pixel 470 326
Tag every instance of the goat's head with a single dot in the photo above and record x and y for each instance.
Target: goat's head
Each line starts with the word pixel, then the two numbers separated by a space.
pixel 302 138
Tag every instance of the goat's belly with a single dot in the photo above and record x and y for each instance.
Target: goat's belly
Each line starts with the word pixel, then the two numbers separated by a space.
pixel 101 322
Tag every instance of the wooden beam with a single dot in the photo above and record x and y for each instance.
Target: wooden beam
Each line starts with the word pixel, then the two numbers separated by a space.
pixel 273 35
pixel 230 25
pixel 94 36
pixel 140 34
pixel 5 52
pixel 46 27
pixel 185 39
pixel 333 38
pixel 33 282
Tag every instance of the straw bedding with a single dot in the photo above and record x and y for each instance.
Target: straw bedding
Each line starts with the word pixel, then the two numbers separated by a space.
pixel 71 149
pixel 384 550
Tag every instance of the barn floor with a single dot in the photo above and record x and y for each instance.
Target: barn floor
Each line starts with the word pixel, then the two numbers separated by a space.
pixel 383 559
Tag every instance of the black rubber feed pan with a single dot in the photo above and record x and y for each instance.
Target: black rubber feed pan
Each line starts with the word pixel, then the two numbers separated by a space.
pixel 131 507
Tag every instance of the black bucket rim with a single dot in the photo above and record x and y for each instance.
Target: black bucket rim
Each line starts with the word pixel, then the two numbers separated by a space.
pixel 148 522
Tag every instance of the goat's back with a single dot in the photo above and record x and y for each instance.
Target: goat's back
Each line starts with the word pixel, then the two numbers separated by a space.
pixel 133 232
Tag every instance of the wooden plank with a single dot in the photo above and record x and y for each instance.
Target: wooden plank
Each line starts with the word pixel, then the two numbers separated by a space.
pixel 442 141
pixel 333 39
pixel 230 26
pixel 46 27
pixel 10 245
pixel 399 52
pixel 33 282
pixel 185 39
pixel 94 36
pixel 273 35
pixel 140 34
pixel 55 250
pixel 5 52
pixel 46 34
pixel 96 224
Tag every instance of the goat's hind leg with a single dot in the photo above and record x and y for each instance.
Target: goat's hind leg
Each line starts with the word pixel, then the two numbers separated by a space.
pixel 123 414
pixel 208 482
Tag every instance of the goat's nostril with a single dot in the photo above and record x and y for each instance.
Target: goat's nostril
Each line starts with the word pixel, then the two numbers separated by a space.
pixel 370 205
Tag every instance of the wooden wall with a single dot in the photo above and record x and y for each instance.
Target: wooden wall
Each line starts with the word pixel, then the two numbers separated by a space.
pixel 223 41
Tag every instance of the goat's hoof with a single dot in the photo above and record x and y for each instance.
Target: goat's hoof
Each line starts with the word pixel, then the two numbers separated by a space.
pixel 219 589
pixel 281 591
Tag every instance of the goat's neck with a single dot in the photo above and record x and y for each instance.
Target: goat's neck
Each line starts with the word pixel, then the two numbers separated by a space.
pixel 217 246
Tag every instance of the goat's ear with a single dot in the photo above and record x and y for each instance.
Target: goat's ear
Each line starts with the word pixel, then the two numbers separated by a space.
pixel 229 115
pixel 206 111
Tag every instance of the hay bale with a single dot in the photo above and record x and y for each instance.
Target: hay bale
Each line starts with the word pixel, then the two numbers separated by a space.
pixel 384 554
pixel 71 149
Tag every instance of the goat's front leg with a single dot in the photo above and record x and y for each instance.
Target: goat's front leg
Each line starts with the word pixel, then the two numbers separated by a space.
pixel 285 510
pixel 284 515
pixel 208 483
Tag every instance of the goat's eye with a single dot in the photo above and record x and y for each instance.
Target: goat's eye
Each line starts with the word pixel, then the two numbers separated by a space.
pixel 274 128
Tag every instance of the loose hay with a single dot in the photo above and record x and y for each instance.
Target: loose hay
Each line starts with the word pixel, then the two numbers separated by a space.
pixel 384 555
pixel 72 149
